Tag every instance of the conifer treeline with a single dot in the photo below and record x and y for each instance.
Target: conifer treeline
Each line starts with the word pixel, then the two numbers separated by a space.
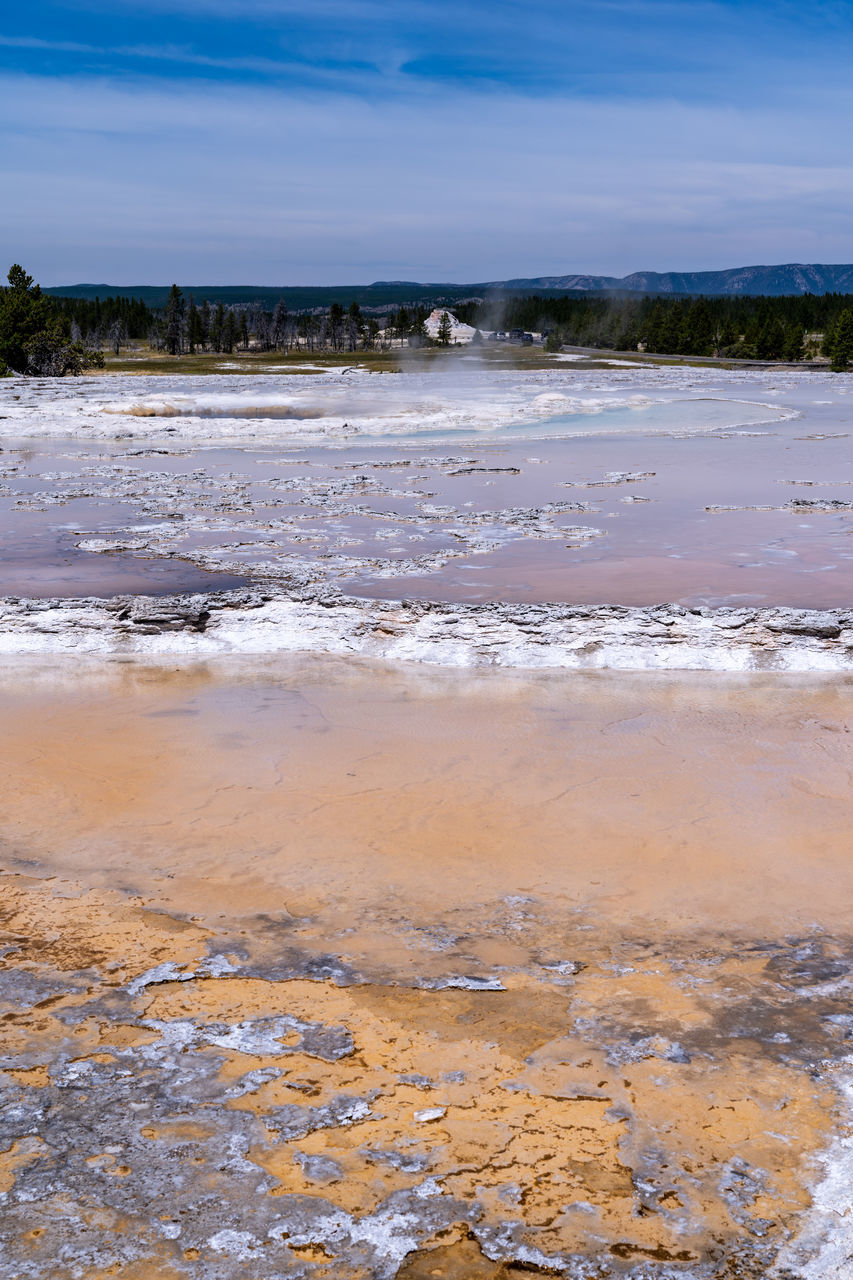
pixel 96 319
pixel 184 327
pixel 759 328
pixel 34 338
pixel 747 328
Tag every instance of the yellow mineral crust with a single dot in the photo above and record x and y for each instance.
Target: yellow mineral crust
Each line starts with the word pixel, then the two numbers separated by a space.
pixel 537 1125
pixel 397 959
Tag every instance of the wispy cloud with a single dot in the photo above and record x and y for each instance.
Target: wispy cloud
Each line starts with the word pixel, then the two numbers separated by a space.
pixel 705 49
pixel 338 75
pixel 49 46
pixel 134 182
pixel 282 140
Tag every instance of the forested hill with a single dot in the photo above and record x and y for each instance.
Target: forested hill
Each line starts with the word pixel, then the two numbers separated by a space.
pixel 297 298
pixel 56 335
pixel 762 281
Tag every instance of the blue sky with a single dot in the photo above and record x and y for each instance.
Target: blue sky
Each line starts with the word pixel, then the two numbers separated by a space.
pixel 280 141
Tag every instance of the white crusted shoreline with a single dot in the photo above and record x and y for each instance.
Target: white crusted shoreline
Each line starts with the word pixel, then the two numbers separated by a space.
pixel 341 406
pixel 266 622
pixel 823 1249
pixel 174 511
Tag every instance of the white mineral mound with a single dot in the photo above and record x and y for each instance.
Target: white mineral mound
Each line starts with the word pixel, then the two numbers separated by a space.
pixel 458 332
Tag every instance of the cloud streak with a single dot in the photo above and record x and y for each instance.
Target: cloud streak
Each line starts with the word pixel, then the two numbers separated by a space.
pixel 339 77
pixel 343 142
pixel 708 49
pixel 136 181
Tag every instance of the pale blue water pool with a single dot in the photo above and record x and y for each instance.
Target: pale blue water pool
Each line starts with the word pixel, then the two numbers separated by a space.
pixel 674 417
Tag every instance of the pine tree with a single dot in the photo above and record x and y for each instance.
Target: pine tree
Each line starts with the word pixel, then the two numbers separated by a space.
pixel 698 332
pixel 355 326
pixel 194 330
pixel 118 334
pixel 229 333
pixel 217 326
pixel 174 321
pixel 279 325
pixel 204 323
pixel 842 342
pixel 24 313
pixel 418 336
pixel 262 325
pixel 669 332
pixel 771 340
pixel 795 337
pixel 445 330
pixel 336 326
pixel 50 353
pixel 726 336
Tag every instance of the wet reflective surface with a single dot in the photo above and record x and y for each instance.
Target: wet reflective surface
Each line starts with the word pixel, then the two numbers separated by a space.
pixel 758 518
pixel 320 967
pixel 626 485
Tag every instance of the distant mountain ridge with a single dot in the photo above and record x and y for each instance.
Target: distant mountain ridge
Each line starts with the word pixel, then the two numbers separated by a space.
pixel 769 281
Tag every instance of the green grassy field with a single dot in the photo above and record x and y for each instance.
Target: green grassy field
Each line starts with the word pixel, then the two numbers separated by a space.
pixel 149 362
pixel 247 362
pixel 495 357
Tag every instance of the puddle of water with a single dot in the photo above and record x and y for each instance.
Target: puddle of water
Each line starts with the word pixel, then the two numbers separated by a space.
pixel 675 801
pixel 489 523
pixel 44 568
pixel 473 519
pixel 656 418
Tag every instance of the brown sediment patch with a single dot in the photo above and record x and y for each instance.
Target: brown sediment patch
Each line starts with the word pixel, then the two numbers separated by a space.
pixel 35 1077
pixel 459 1259
pixel 181 1130
pixel 70 930
pixel 146 411
pixel 21 1153
pixel 250 411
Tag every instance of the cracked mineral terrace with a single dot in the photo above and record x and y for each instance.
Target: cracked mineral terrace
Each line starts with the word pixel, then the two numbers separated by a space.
pixel 317 963
pixel 646 488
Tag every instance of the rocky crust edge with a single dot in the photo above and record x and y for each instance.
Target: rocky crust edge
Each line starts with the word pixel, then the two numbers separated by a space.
pixel 276 620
